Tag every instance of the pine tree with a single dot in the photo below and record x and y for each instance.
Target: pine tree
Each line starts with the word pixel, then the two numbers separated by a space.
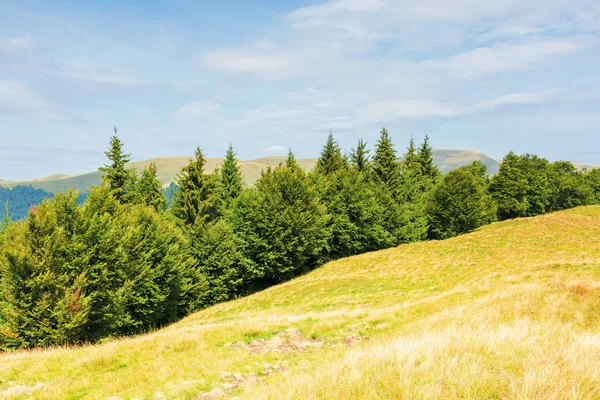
pixel 385 166
pixel 230 178
pixel 411 160
pixel 425 158
pixel 331 159
pixel 194 203
pixel 148 189
pixel 117 176
pixel 291 161
pixel 360 157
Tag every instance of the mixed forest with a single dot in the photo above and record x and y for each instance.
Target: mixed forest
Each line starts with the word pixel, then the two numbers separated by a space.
pixel 126 258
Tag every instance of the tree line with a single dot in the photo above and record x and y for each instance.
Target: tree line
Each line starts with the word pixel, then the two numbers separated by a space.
pixel 129 260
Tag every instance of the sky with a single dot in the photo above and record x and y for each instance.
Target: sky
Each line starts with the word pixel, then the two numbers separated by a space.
pixel 268 76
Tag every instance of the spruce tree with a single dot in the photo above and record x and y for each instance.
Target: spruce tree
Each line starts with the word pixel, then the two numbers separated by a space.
pixel 282 225
pixel 360 157
pixel 194 203
pixel 411 160
pixel 425 158
pixel 117 176
pixel 231 182
pixel 291 161
pixel 385 166
pixel 331 159
pixel 148 189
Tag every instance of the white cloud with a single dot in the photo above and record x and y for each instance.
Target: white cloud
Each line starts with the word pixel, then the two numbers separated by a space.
pixel 420 109
pixel 327 9
pixel 276 150
pixel 17 96
pixel 17 44
pixel 195 111
pixel 503 57
pixel 251 61
pixel 511 99
pixel 407 109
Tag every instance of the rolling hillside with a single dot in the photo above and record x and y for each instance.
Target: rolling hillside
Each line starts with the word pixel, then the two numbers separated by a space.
pixel 509 311
pixel 169 167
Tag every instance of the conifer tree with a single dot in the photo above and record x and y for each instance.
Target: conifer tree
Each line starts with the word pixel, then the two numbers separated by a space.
pixel 411 160
pixel 282 223
pixel 291 161
pixel 385 166
pixel 425 158
pixel 331 159
pixel 194 203
pixel 360 157
pixel 230 178
pixel 148 189
pixel 117 176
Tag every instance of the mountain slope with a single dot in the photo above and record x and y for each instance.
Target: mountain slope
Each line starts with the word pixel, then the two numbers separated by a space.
pixel 169 167
pixel 509 311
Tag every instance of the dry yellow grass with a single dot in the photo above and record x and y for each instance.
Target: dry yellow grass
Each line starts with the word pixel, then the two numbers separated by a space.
pixel 511 311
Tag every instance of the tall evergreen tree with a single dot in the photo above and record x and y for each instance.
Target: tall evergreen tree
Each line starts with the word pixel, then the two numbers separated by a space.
pixel 291 161
pixel 194 202
pixel 331 159
pixel 425 158
pixel 360 157
pixel 231 182
pixel 412 160
pixel 117 176
pixel 148 189
pixel 385 166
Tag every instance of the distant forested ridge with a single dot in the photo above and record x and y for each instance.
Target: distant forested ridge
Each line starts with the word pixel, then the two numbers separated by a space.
pixel 131 256
pixel 21 198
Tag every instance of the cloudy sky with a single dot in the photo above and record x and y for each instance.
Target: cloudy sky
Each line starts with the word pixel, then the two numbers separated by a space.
pixel 268 75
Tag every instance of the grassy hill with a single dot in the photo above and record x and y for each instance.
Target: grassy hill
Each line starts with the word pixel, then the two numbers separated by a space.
pixel 510 311
pixel 169 167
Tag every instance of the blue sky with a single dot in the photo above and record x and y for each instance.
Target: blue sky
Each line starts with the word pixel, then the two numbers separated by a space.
pixel 493 76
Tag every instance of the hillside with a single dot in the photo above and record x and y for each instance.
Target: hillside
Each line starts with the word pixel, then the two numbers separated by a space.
pixel 169 167
pixel 509 311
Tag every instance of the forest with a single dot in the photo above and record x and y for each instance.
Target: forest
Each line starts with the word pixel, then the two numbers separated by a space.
pixel 125 260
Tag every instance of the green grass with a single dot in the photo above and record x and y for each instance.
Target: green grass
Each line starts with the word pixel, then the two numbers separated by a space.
pixel 509 311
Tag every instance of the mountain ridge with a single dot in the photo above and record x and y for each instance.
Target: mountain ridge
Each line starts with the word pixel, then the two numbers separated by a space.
pixel 169 167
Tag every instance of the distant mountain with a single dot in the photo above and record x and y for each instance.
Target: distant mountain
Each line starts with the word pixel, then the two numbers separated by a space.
pixel 169 167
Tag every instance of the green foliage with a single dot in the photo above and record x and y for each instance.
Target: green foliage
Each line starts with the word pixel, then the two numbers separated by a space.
pixel 219 250
pixel 459 204
pixel 194 204
pixel 73 274
pixel 592 179
pixel 385 167
pixel 522 186
pixel 360 158
pixel 331 159
pixel 357 216
pixel 117 176
pixel 412 160
pixel 283 225
pixel 570 188
pixel 230 180
pixel 425 160
pixel 148 190
pixel 20 199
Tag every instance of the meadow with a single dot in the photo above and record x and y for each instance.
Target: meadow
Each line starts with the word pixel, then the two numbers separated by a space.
pixel 509 311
